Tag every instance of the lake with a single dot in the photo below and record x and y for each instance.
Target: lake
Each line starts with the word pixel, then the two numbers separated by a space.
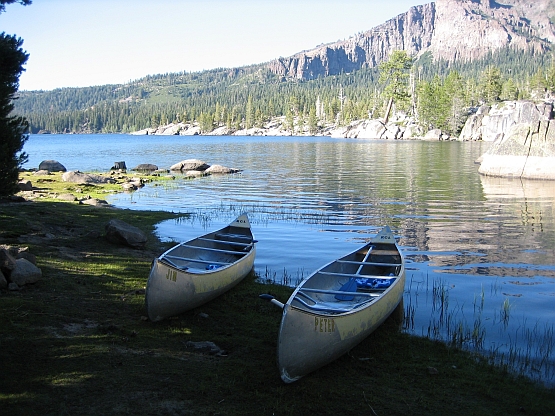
pixel 480 251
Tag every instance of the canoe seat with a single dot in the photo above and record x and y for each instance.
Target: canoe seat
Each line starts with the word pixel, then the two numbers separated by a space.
pixel 331 307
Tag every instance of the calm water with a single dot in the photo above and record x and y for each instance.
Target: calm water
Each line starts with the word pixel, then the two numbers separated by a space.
pixel 480 251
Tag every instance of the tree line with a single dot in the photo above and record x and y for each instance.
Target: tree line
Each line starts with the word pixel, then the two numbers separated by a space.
pixel 438 93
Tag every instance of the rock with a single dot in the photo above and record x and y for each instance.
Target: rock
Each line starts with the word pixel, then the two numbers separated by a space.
pixel 13 287
pixel 146 167
pixel 25 272
pixel 42 172
pixel 67 197
pixel 206 346
pixel 433 135
pixel 372 129
pixel 119 232
pixel 524 144
pixel 129 186
pixel 119 166
pixel 75 176
pixel 94 202
pixel 25 186
pixel 52 166
pixel 219 169
pixel 23 253
pixel 194 174
pixel 190 164
pixel 7 261
pixel 3 281
pixel 392 132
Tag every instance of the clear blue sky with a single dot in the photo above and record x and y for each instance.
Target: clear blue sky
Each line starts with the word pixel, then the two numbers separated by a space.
pixel 77 43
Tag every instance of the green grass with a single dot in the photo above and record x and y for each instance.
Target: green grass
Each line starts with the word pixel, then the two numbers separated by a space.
pixel 78 342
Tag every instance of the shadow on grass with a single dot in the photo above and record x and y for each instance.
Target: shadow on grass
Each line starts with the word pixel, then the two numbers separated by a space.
pixel 78 342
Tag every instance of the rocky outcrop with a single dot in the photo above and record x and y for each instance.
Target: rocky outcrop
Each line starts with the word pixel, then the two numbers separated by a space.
pixel 398 128
pixel 523 135
pixel 448 29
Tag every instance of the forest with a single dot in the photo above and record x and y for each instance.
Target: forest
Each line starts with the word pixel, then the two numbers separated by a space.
pixel 438 94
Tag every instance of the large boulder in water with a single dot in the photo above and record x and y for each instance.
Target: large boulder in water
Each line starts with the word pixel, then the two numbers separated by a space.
pixel 190 164
pixel 145 167
pixel 219 169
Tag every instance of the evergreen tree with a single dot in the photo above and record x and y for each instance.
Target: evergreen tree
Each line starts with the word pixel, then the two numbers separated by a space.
pixel 13 129
pixel 249 117
pixel 395 73
pixel 490 84
pixel 509 90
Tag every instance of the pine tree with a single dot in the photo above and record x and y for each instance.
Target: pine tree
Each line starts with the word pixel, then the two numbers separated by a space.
pixel 13 129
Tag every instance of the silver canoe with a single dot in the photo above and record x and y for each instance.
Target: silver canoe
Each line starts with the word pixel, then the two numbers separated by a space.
pixel 339 305
pixel 196 271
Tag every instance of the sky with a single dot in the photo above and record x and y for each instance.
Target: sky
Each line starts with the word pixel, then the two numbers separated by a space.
pixel 79 43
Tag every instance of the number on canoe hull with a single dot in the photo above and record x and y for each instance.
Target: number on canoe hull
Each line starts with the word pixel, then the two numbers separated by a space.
pixel 324 324
pixel 171 275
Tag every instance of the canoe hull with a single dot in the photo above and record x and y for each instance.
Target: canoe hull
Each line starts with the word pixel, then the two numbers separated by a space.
pixel 308 341
pixel 328 313
pixel 197 271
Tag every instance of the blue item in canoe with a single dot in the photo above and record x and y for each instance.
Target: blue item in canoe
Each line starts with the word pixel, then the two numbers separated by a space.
pixel 375 283
pixel 213 266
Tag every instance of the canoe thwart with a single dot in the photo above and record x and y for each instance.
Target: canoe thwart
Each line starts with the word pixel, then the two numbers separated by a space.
pixel 369 263
pixel 235 243
pixel 245 238
pixel 195 260
pixel 370 276
pixel 218 250
pixel 337 292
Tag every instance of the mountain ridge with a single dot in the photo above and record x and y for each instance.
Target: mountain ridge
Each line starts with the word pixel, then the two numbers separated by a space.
pixel 449 29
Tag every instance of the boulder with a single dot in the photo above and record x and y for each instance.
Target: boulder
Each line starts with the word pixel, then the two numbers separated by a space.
pixel 219 169
pixel 392 132
pixel 42 172
pixel 94 202
pixel 25 185
pixel 190 164
pixel 194 174
pixel 119 232
pixel 25 272
pixel 67 197
pixel 433 135
pixel 52 166
pixel 146 167
pixel 119 166
pixel 75 176
pixel 3 281
pixel 7 261
pixel 372 129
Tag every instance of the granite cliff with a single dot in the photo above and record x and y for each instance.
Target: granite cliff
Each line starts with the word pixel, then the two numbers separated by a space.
pixel 448 29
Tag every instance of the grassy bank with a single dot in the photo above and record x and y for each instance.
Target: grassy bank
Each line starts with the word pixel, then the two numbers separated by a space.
pixel 78 342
